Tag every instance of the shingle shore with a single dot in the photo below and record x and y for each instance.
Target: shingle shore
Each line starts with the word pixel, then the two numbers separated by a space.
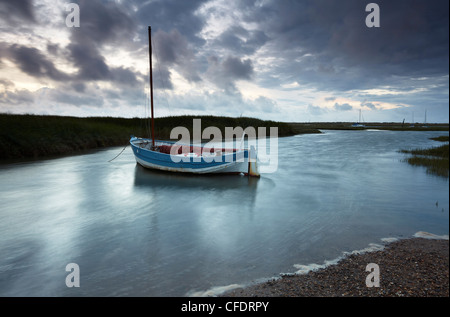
pixel 415 267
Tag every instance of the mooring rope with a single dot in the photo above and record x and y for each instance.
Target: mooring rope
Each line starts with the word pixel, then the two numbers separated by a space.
pixel 119 153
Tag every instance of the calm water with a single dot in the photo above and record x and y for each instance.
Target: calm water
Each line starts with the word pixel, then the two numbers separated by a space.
pixel 134 232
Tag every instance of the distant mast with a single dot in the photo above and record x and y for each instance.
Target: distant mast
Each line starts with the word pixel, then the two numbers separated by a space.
pixel 151 82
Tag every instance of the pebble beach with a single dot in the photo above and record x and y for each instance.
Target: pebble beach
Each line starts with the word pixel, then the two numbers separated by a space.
pixel 416 267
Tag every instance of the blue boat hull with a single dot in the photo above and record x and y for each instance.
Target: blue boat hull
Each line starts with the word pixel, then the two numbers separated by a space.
pixel 197 162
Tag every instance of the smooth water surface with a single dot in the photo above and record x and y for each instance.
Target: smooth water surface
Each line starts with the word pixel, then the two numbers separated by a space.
pixel 134 232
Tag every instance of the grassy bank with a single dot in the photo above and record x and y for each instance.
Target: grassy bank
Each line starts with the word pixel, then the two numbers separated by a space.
pixel 435 159
pixel 442 138
pixel 33 136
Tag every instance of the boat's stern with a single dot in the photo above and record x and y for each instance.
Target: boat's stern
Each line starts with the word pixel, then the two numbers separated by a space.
pixel 253 168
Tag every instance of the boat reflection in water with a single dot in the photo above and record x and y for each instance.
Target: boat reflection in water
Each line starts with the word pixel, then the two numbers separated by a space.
pixel 222 189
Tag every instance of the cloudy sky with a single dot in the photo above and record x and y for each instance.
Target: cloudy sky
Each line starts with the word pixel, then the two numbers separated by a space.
pixel 305 60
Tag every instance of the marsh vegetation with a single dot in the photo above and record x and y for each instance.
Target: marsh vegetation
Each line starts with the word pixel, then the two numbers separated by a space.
pixel 36 136
pixel 435 159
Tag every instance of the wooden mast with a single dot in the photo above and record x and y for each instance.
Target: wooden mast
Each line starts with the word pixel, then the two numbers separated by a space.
pixel 151 83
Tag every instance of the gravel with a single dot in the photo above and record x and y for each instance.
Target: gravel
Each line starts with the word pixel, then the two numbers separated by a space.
pixel 414 267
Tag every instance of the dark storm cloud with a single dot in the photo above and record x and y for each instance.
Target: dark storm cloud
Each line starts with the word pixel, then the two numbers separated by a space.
pixel 241 40
pixel 91 64
pixel 53 49
pixel 412 39
pixel 13 10
pixel 162 78
pixel 168 15
pixel 34 63
pixel 225 73
pixel 101 23
pixel 238 69
pixel 173 50
pixel 175 32
pixel 122 75
pixel 79 87
pixel 171 47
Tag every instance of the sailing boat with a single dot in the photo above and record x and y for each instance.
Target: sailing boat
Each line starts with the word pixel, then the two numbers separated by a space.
pixel 359 124
pixel 187 158
pixel 425 121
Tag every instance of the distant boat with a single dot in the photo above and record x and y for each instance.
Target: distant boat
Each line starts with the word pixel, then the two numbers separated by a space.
pixel 425 121
pixel 187 158
pixel 359 124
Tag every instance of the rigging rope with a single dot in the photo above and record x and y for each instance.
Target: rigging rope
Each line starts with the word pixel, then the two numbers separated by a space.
pixel 119 153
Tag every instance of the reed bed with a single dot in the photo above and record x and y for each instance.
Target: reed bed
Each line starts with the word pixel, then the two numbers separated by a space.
pixel 435 159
